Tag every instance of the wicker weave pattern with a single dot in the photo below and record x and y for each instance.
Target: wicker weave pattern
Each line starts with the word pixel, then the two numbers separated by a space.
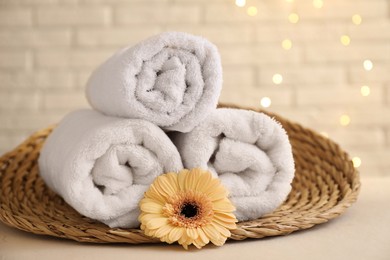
pixel 325 184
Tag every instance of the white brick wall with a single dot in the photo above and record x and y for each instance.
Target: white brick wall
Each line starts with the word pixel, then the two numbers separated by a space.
pixel 157 14
pixel 39 79
pixel 48 48
pixel 15 101
pixel 21 38
pixel 336 53
pixel 10 59
pixel 336 97
pixel 13 17
pixel 73 16
pixel 267 54
pixel 63 100
pixel 219 34
pixel 118 36
pixel 379 75
pixel 305 76
pixel 70 59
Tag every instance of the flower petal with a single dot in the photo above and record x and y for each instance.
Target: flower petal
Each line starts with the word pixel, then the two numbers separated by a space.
pixel 150 232
pixel 156 223
pixel 215 237
pixel 163 231
pixel 191 232
pixel 147 200
pixel 184 240
pixel 218 193
pixel 198 243
pixel 189 181
pixel 150 206
pixel 172 179
pixel 209 183
pixel 211 233
pixel 181 179
pixel 204 183
pixel 219 242
pixel 203 236
pixel 154 194
pixel 221 229
pixel 225 216
pixel 229 225
pixel 223 205
pixel 164 186
pixel 175 234
pixel 146 217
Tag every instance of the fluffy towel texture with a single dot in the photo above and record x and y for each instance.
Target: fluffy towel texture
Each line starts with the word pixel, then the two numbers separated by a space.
pixel 249 152
pixel 102 166
pixel 173 80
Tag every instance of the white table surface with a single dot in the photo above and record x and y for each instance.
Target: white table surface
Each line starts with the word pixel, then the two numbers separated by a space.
pixel 363 232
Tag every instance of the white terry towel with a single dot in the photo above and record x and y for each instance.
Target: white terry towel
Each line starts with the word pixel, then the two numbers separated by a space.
pixel 102 165
pixel 250 153
pixel 172 80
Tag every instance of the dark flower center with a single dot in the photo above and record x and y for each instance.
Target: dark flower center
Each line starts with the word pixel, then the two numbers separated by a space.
pixel 189 210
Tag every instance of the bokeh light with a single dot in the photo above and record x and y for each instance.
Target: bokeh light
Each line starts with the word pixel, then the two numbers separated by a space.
pixel 293 18
pixel 365 91
pixel 345 120
pixel 286 44
pixel 324 134
pixel 356 19
pixel 318 3
pixel 252 11
pixel 240 3
pixel 265 102
pixel 345 40
pixel 277 78
pixel 368 65
pixel 356 162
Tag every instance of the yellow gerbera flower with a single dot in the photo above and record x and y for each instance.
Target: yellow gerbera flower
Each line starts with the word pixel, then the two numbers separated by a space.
pixel 190 207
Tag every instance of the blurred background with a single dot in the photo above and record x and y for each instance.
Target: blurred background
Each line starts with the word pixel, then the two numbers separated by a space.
pixel 322 63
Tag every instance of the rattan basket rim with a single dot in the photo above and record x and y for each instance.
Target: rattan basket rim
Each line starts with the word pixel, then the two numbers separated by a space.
pixel 325 185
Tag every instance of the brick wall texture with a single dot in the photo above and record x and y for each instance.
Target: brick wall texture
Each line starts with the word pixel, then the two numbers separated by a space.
pixel 48 48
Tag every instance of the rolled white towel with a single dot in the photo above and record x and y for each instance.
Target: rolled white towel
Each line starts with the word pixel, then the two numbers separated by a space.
pixel 102 165
pixel 172 80
pixel 250 153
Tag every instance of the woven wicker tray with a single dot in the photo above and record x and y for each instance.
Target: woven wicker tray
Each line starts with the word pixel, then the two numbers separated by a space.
pixel 325 185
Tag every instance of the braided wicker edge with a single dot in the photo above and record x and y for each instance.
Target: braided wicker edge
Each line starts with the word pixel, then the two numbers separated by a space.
pixel 301 210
